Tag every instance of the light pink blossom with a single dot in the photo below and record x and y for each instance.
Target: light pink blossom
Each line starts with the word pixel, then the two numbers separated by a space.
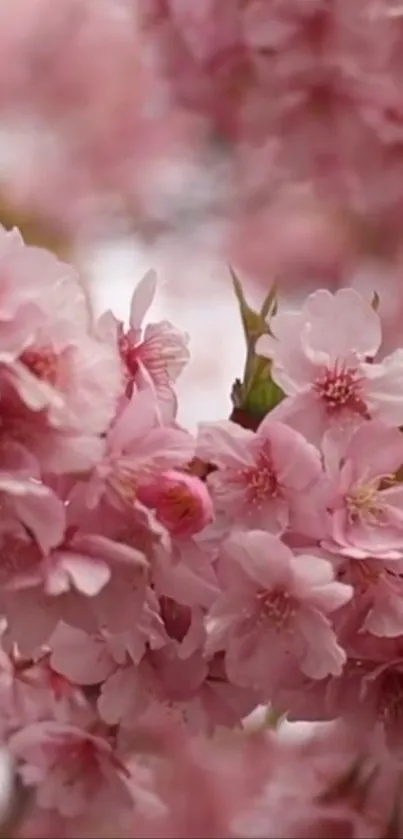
pixel 378 595
pixel 258 477
pixel 28 506
pixel 155 355
pixel 364 501
pixel 274 605
pixel 139 446
pixel 323 358
pixel 56 376
pixel 70 769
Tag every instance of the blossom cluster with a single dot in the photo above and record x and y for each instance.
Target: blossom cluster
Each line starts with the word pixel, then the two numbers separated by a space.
pixel 158 586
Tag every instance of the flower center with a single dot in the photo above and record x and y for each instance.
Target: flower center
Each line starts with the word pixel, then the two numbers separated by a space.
pixel 278 607
pixel 124 483
pixel 363 503
pixel 181 503
pixel 79 760
pixel 261 480
pixel 340 389
pixel 128 353
pixel 42 362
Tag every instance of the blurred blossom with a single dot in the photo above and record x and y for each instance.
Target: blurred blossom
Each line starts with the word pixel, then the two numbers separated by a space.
pixel 306 100
pixel 80 134
pixel 270 131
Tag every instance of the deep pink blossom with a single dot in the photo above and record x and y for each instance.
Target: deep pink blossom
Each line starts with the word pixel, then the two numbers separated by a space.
pixel 182 502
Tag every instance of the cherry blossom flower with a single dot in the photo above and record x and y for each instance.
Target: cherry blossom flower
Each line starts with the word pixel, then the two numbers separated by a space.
pixel 364 501
pixel 274 605
pixel 139 445
pixel 323 358
pixel 71 768
pixel 258 476
pixel 154 356
pixel 378 592
pixel 56 375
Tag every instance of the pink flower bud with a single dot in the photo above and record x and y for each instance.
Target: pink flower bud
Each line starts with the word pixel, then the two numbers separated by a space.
pixel 182 502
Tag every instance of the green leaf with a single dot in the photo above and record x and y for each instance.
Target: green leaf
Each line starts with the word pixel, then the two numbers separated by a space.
pixel 254 323
pixel 251 320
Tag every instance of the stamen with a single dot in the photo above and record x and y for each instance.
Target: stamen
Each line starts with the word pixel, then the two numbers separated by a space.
pixel 278 607
pixel 42 362
pixel 340 389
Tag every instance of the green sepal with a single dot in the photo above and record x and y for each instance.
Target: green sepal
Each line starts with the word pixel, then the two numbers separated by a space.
pixel 256 394
pixel 263 394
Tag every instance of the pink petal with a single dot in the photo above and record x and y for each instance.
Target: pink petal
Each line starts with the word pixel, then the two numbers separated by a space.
pixel 79 657
pixel 290 368
pixel 44 515
pixel 341 324
pixel 165 447
pixel 262 557
pixel 138 417
pixel 385 382
pixel 304 412
pixel 385 619
pixel 375 449
pixel 296 463
pixel 322 656
pixel 89 576
pixel 224 443
pixel 121 696
pixel 100 547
